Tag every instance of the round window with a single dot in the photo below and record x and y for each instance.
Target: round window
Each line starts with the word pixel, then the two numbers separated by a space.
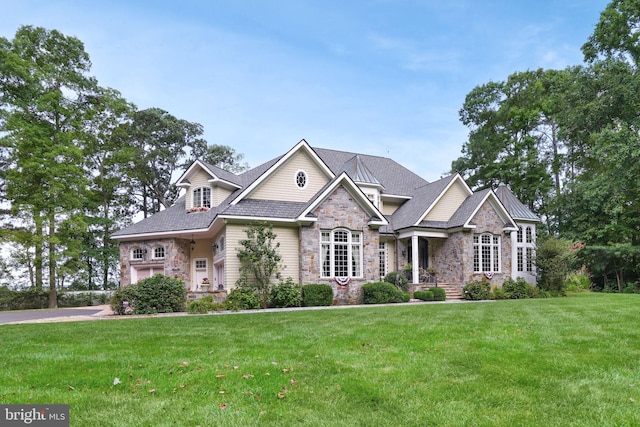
pixel 301 179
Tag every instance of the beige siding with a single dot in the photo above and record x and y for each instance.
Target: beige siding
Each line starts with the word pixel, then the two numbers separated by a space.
pixel 389 208
pixel 218 195
pixel 281 185
pixel 201 179
pixel 289 250
pixel 448 204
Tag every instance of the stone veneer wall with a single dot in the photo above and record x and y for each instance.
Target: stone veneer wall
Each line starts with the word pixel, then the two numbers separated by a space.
pixel 339 210
pixel 175 263
pixel 487 220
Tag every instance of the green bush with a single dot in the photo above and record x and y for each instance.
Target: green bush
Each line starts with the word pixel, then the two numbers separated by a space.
pixel 318 294
pixel 423 295
pixel 157 294
pixel 23 299
pixel 477 290
pixel 204 305
pixel 439 294
pixel 285 294
pixel 242 299
pixel 498 293
pixel 518 289
pixel 406 297
pixel 578 282
pixel 381 293
pixel 397 278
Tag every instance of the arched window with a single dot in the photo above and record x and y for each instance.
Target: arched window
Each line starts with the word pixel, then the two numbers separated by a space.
pixel 486 253
pixel 158 253
pixel 137 254
pixel 341 253
pixel 201 197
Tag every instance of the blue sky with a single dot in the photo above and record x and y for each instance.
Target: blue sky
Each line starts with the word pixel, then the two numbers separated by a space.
pixel 379 77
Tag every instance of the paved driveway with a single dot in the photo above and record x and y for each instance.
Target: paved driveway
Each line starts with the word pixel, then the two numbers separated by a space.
pixel 52 314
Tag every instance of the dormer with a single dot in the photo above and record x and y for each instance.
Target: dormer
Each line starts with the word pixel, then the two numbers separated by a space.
pixel 364 179
pixel 206 186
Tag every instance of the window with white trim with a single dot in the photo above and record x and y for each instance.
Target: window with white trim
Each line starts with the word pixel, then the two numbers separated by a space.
pixel 384 266
pixel 525 249
pixel 137 254
pixel 158 253
pixel 301 179
pixel 341 253
pixel 201 197
pixel 486 253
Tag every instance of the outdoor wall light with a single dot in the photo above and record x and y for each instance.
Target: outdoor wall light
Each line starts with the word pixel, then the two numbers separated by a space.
pixel 192 243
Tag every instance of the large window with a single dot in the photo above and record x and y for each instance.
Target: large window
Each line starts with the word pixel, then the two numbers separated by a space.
pixel 202 197
pixel 341 252
pixel 486 253
pixel 525 243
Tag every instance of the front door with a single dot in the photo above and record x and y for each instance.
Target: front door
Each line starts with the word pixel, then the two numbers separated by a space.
pixel 200 273
pixel 218 276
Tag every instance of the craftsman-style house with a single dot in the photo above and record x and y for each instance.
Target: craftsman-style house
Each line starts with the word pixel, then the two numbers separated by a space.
pixel 341 218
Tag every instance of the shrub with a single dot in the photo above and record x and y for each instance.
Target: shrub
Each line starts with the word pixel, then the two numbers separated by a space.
pixel 23 299
pixel 157 294
pixel 477 290
pixel 406 297
pixel 381 293
pixel 398 279
pixel 578 282
pixel 314 295
pixel 518 289
pixel 423 295
pixel 498 293
pixel 285 294
pixel 439 294
pixel 204 305
pixel 242 299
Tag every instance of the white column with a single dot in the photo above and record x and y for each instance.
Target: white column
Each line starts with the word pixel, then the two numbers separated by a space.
pixel 414 259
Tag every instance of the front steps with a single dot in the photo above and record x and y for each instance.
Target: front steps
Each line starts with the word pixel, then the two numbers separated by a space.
pixel 454 292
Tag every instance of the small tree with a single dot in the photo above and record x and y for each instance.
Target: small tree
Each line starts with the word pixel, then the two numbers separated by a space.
pixel 260 260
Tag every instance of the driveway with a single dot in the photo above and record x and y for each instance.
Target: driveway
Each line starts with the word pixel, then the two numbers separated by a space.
pixel 55 314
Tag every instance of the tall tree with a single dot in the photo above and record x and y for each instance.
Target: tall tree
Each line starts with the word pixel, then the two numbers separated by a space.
pixel 44 85
pixel 161 144
pixel 224 157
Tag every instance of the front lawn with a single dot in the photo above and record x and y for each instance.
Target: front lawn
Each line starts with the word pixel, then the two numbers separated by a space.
pixel 546 362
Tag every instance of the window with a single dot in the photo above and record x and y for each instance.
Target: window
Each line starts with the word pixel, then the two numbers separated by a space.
pixel 520 259
pixel 137 253
pixel 529 235
pixel 519 234
pixel 158 253
pixel 341 252
pixel 201 197
pixel 529 260
pixel 383 259
pixel 486 253
pixel 301 179
pixel 201 264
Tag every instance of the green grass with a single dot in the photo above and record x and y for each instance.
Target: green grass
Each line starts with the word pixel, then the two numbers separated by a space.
pixel 548 362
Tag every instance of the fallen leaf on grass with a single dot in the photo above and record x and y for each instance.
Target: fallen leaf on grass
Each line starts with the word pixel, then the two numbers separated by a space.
pixel 222 406
pixel 245 376
pixel 185 363
pixel 153 390
pixel 281 395
pixel 116 381
pixel 293 381
pixel 220 376
pixel 71 388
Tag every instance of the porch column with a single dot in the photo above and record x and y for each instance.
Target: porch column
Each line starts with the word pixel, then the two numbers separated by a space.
pixel 415 253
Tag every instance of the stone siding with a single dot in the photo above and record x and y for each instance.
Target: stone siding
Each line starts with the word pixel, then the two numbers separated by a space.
pixel 340 210
pixel 175 263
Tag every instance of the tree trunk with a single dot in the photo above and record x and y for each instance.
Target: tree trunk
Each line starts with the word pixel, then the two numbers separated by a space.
pixel 53 297
pixel 38 261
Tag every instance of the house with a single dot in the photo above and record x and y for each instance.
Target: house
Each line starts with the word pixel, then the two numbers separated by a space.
pixel 341 218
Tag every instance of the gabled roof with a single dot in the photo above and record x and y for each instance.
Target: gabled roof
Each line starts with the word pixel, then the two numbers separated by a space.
pixel 515 207
pixel 300 146
pixel 217 175
pixel 395 178
pixel 412 211
pixel 465 213
pixel 343 179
